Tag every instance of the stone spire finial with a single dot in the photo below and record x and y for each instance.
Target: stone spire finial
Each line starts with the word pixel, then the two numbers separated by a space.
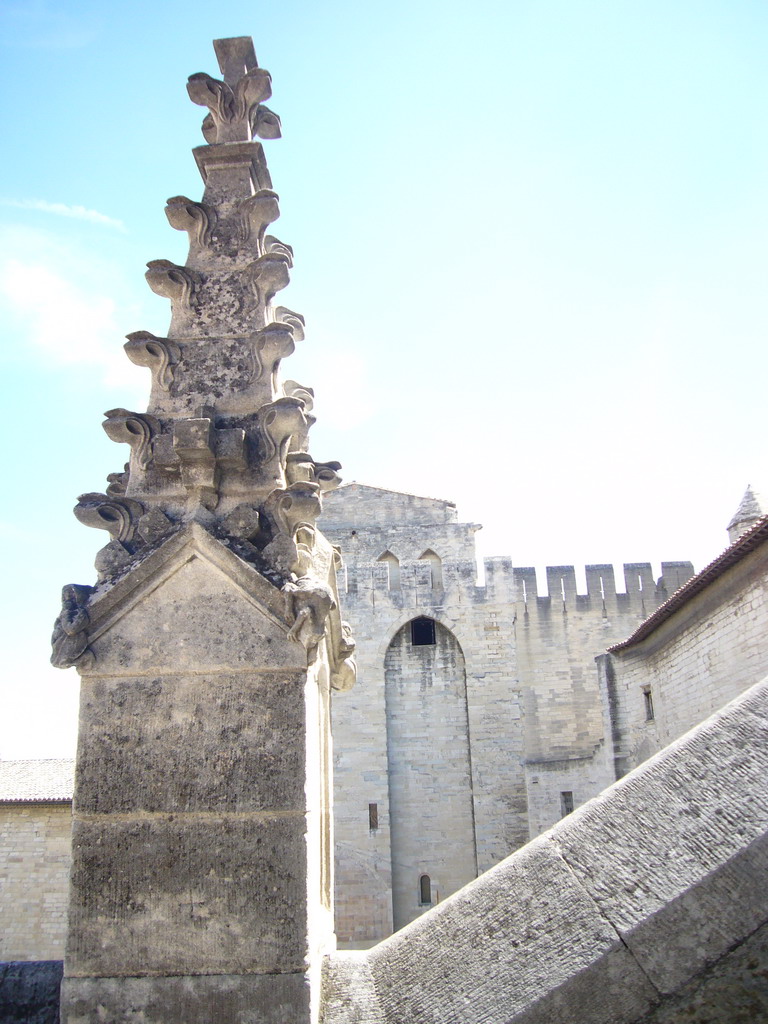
pixel 223 437
pixel 746 515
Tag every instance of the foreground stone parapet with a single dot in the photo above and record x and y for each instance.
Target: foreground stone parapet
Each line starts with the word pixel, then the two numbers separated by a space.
pixel 647 904
pixel 201 885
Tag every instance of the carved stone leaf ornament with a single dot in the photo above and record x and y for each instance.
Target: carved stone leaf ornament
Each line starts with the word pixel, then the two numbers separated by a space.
pixel 120 516
pixel 271 344
pixel 279 420
pixel 197 219
pixel 268 275
pixel 275 247
pixel 265 123
pixel 229 106
pixel 172 282
pixel 257 212
pixel 295 321
pixel 133 428
pixel 159 354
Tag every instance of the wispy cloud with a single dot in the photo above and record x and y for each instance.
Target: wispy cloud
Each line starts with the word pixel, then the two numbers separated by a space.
pixel 56 303
pixel 65 210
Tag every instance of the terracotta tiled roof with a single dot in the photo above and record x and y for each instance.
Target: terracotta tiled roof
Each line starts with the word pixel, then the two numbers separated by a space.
pixel 747 543
pixel 37 781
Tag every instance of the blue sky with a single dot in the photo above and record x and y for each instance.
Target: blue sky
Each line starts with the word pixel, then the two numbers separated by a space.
pixel 530 247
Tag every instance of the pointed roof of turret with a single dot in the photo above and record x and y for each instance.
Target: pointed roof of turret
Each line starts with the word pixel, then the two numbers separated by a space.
pixel 749 511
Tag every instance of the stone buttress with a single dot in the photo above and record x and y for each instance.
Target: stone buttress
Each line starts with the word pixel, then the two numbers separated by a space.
pixel 201 882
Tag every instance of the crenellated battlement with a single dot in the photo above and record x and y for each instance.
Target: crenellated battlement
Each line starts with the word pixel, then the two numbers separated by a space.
pixel 640 586
pixel 519 584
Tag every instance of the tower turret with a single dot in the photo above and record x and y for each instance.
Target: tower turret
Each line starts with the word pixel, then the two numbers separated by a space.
pixel 746 515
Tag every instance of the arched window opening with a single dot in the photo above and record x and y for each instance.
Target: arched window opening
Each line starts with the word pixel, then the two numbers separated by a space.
pixel 436 565
pixel 393 569
pixel 423 632
pixel 425 890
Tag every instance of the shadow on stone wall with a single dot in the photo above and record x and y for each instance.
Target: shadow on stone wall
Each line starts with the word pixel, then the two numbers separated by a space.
pixel 29 991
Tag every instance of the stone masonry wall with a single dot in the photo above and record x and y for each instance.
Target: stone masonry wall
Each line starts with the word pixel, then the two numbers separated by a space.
pixel 707 653
pixel 35 856
pixel 557 638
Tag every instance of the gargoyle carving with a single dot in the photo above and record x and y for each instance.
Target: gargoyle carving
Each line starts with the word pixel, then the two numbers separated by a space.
pixel 344 671
pixel 70 631
pixel 256 213
pixel 268 275
pixel 265 123
pixel 133 428
pixel 309 603
pixel 274 247
pixel 197 219
pixel 295 321
pixel 159 354
pixel 292 513
pixel 119 515
pixel 229 107
pixel 172 282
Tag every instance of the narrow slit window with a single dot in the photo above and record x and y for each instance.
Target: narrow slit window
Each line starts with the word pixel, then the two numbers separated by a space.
pixel 566 802
pixel 373 817
pixel 648 704
pixel 423 632
pixel 425 890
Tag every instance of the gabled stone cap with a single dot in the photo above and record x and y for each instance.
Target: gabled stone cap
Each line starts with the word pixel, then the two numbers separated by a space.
pixel 33 781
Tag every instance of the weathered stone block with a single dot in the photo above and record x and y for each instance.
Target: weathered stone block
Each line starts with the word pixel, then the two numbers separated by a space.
pixel 188 894
pixel 272 999
pixel 192 742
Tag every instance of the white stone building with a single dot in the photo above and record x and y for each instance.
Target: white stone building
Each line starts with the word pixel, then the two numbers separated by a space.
pixel 476 721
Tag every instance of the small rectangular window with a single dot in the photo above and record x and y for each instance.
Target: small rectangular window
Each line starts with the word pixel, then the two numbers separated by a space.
pixel 373 817
pixel 566 802
pixel 648 704
pixel 423 632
